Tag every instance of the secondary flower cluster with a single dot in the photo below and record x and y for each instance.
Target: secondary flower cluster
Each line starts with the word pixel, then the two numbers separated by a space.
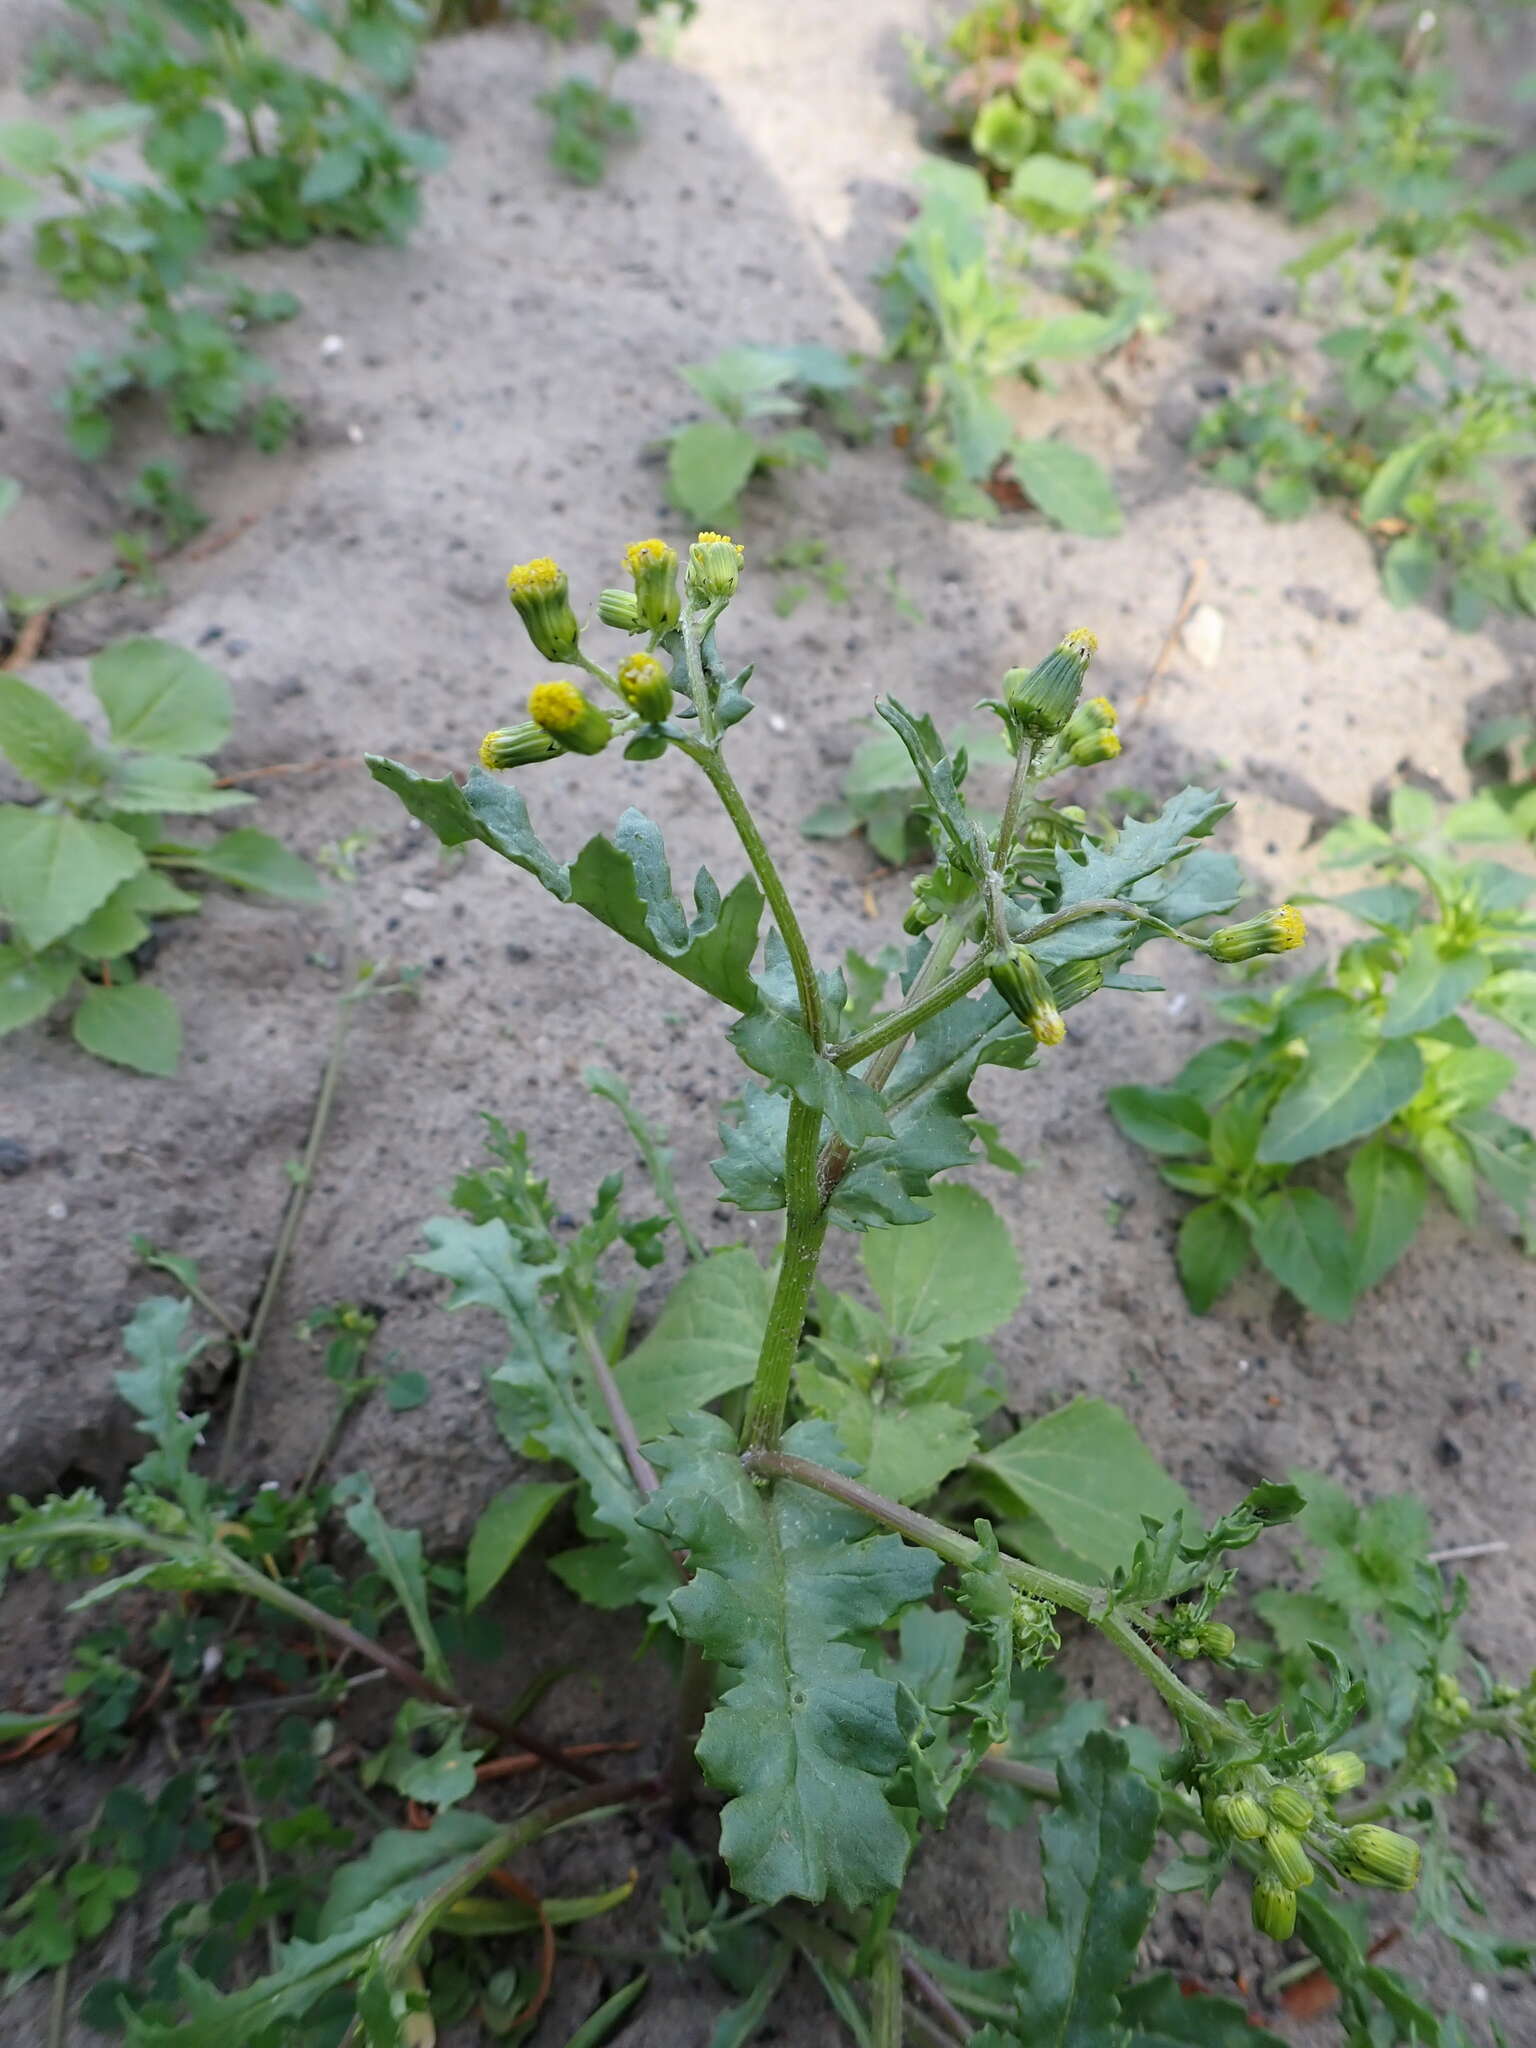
pixel 1289 1820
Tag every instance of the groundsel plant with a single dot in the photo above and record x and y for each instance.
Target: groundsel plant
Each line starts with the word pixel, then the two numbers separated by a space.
pixel 824 1758
pixel 755 1476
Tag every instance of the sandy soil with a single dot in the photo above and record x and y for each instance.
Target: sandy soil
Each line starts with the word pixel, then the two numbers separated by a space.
pixel 499 384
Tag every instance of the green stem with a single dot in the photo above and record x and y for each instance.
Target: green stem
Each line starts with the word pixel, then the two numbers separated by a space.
pixel 902 1023
pixel 274 1594
pixel 805 1229
pixel 1091 1602
pixel 735 805
pixel 641 1469
pixel 698 683
pixel 1018 796
pixel 414 1931
pixel 948 937
pixel 596 669
pixel 288 1231
pixel 885 2001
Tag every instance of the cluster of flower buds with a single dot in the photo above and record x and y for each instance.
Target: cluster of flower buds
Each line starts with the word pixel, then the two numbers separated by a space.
pixel 562 719
pixel 1020 980
pixel 1449 1707
pixel 1186 1635
pixel 1291 1823
pixel 1277 931
pixel 1035 1640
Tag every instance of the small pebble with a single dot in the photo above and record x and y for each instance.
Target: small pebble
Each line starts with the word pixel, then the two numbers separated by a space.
pixel 417 899
pixel 332 347
pixel 14 1157
pixel 355 434
pixel 58 1211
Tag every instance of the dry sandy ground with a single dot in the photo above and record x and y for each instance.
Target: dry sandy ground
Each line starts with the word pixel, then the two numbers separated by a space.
pixel 498 386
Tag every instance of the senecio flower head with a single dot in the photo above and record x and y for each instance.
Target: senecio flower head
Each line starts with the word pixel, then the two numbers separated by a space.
pixel 645 686
pixel 653 565
pixel 1020 981
pixel 1277 931
pixel 516 746
pixel 1043 698
pixel 714 567
pixel 541 595
pixel 570 720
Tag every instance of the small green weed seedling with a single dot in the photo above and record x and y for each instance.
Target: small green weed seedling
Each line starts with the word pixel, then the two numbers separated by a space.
pixel 955 317
pixel 1371 1069
pixel 746 1476
pixel 1059 100
pixel 760 398
pixel 238 147
pixel 86 867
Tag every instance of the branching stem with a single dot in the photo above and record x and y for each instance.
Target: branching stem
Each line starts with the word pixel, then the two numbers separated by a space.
pixel 1192 1710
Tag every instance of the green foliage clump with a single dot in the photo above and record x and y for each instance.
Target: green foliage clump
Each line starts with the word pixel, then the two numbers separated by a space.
pixel 1371 1068
pixel 237 146
pixel 86 866
pixel 760 398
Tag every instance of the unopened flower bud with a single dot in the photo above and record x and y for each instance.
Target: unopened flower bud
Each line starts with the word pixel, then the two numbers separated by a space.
pixel 1216 1639
pixel 645 686
pixel 1291 1808
pixel 1241 1815
pixel 1277 931
pixel 621 610
pixel 516 746
pixel 918 918
pixel 1042 699
pixel 1380 1856
pixel 541 595
pixel 1338 1771
pixel 1094 714
pixel 570 720
pixel 714 567
pixel 1094 748
pixel 654 567
pixel 1274 1908
pixel 1022 985
pixel 1289 1859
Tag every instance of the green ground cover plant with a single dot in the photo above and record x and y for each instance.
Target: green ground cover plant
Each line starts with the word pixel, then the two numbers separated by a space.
pixel 1370 1068
pixel 1417 432
pixel 87 865
pixel 747 1478
pixel 217 142
pixel 761 399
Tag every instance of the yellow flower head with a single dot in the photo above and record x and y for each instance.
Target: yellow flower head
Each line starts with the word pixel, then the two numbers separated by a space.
pixel 539 591
pixel 653 565
pixel 645 555
pixel 541 577
pixel 1042 699
pixel 558 706
pixel 714 567
pixel 645 686
pixel 516 746
pixel 565 714
pixel 1094 747
pixel 1277 931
